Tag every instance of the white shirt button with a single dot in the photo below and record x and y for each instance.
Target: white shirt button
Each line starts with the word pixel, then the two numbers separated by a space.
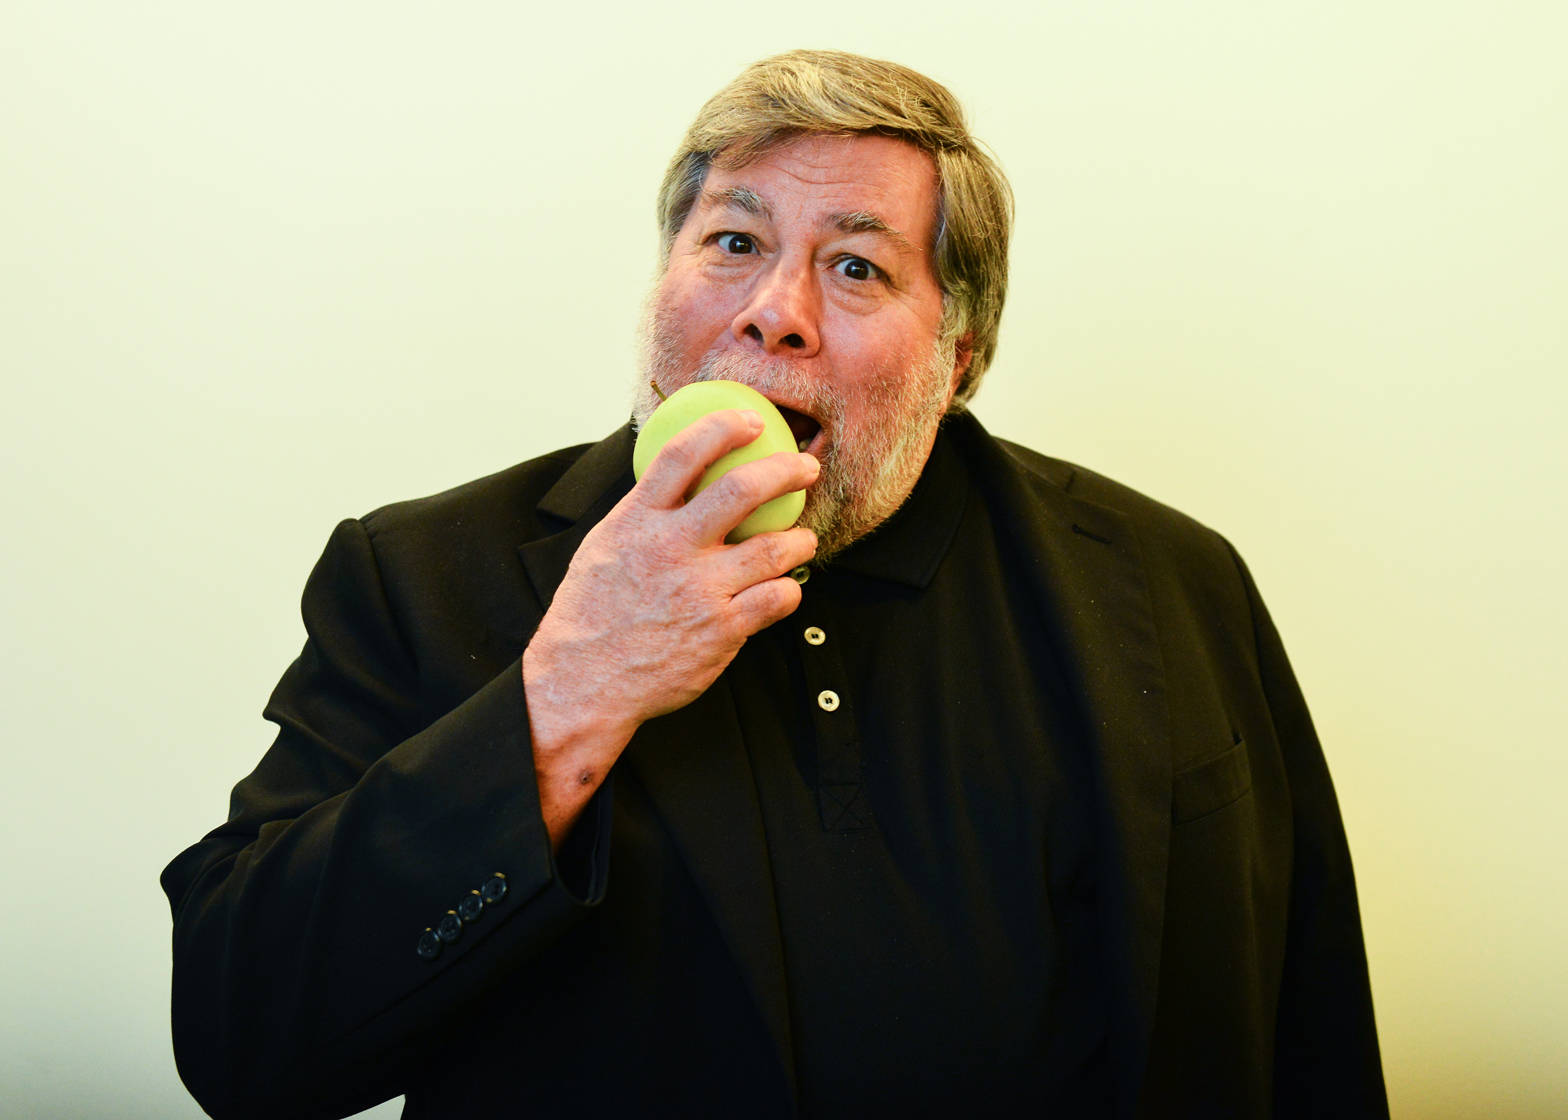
pixel 827 700
pixel 801 574
pixel 815 636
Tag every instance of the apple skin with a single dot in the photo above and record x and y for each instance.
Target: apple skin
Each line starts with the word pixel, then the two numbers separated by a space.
pixel 690 402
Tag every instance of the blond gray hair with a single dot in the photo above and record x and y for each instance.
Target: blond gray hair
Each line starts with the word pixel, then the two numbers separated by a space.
pixel 780 98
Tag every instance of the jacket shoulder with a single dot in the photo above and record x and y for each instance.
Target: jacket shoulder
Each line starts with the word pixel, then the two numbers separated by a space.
pixel 509 495
pixel 1151 518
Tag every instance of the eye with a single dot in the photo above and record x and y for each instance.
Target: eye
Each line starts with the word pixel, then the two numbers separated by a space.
pixel 858 268
pixel 737 243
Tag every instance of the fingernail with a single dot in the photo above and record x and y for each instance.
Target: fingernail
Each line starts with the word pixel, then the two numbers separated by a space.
pixel 816 467
pixel 753 418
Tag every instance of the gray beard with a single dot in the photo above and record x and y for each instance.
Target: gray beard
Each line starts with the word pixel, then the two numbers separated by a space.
pixel 867 472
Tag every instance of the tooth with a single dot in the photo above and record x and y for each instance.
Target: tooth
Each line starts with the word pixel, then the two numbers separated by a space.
pixel 801 443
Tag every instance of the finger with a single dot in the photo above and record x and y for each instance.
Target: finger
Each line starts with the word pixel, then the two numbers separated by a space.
pixel 763 604
pixel 767 556
pixel 733 498
pixel 678 466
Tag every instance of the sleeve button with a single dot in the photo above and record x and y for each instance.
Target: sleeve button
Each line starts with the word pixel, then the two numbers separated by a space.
pixel 450 927
pixel 494 889
pixel 429 945
pixel 471 907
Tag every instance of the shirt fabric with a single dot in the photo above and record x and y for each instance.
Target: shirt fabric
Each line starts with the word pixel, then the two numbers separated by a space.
pixel 929 846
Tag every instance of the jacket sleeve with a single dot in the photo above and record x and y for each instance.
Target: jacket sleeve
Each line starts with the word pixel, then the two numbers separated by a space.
pixel 1326 1060
pixel 311 963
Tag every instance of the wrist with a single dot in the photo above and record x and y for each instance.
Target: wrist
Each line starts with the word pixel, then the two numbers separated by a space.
pixel 570 722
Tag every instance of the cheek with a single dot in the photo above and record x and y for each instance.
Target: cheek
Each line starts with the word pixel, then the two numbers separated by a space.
pixel 696 316
pixel 897 385
pixel 885 366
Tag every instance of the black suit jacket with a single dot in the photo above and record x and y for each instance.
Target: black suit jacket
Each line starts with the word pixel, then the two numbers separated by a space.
pixel 401 782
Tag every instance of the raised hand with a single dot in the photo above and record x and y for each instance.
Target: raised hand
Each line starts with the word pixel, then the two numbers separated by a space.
pixel 655 605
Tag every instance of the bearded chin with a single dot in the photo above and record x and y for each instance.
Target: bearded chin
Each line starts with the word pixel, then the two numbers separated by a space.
pixel 866 480
pixel 869 467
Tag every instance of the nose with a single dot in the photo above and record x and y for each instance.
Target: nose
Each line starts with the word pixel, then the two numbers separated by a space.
pixel 782 312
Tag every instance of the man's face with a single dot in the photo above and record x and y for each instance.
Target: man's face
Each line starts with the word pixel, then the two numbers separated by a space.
pixel 808 275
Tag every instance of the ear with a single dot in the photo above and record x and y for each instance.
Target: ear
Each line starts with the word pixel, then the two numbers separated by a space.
pixel 963 351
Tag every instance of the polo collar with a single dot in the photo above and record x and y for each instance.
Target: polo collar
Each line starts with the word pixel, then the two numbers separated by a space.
pixel 907 548
pixel 910 545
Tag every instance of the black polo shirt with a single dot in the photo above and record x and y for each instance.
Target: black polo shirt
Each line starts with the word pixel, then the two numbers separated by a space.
pixel 923 790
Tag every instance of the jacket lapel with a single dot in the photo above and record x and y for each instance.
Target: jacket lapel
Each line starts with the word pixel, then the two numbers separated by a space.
pixel 694 765
pixel 578 501
pixel 1091 589
pixel 692 762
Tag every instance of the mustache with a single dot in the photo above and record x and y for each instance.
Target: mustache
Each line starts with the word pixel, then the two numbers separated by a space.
pixel 778 379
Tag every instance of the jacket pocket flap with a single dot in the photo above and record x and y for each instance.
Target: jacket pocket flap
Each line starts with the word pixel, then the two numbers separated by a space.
pixel 1210 785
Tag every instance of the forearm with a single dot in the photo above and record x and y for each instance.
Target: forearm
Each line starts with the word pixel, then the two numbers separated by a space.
pixel 575 740
pixel 411 770
pixel 297 971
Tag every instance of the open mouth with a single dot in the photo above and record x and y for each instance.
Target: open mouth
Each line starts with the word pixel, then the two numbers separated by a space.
pixel 802 427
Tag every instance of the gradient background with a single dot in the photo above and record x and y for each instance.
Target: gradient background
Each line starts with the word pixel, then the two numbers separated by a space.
pixel 1300 270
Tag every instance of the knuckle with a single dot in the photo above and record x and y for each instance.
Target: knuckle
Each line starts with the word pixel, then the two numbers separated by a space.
pixel 747 487
pixel 771 552
pixel 685 537
pixel 678 454
pixel 701 432
pixel 785 598
pixel 773 600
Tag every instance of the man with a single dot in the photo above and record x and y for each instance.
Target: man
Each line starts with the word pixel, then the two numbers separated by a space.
pixel 986 787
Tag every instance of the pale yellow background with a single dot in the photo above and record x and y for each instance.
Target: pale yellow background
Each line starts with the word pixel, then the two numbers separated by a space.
pixel 1296 269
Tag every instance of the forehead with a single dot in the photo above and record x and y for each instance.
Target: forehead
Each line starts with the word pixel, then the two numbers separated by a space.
pixel 828 179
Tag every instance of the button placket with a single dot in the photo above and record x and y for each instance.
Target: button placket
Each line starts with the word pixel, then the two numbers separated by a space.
pixel 841 795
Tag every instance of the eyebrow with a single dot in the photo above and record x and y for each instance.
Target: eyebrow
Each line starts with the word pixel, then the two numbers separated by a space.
pixel 864 221
pixel 736 198
pixel 750 202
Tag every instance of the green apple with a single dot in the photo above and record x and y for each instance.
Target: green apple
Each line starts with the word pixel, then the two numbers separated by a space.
pixel 690 402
